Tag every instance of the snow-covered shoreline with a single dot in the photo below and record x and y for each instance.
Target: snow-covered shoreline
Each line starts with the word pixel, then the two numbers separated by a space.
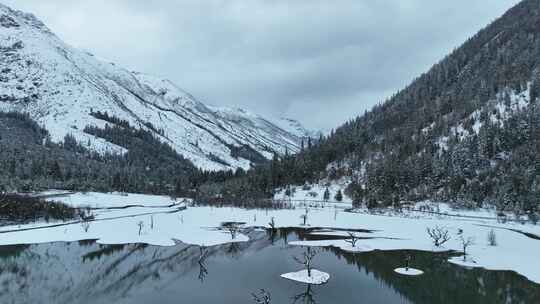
pixel 165 225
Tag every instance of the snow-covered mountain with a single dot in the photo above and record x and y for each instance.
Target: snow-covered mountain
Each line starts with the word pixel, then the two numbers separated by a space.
pixel 59 86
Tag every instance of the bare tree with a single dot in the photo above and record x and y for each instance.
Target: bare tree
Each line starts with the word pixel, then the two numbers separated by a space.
pixel 232 228
pixel 85 225
pixel 141 225
pixel 465 243
pixel 263 297
pixel 353 238
pixel 492 238
pixel 86 217
pixel 439 235
pixel 304 217
pixel 272 224
pixel 307 259
pixel 408 259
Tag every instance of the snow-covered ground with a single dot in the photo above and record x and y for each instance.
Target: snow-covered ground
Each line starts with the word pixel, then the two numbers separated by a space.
pixel 317 277
pixel 409 272
pixel 313 194
pixel 165 224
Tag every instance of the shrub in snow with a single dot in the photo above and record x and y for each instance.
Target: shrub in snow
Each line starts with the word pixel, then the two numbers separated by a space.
pixel 263 297
pixel 438 235
pixel 492 238
pixel 465 243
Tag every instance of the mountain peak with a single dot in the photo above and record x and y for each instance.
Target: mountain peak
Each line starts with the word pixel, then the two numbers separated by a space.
pixel 10 18
pixel 61 86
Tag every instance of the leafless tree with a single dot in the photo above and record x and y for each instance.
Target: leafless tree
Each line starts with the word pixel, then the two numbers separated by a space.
pixel 492 238
pixel 304 217
pixel 272 224
pixel 86 217
pixel 141 225
pixel 307 259
pixel 263 297
pixel 232 228
pixel 408 259
pixel 353 238
pixel 85 225
pixel 465 243
pixel 439 235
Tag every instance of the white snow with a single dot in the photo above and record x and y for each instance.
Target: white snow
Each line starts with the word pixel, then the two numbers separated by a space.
pixel 197 225
pixel 116 199
pixel 409 272
pixel 468 262
pixel 312 195
pixel 317 277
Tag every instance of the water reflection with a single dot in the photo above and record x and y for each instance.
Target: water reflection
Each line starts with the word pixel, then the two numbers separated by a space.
pixel 306 297
pixel 87 272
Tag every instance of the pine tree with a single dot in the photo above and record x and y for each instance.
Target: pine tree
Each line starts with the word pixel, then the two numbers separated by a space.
pixel 326 195
pixel 339 196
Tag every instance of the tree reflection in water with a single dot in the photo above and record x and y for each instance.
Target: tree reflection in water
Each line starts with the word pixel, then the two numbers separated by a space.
pixel 306 297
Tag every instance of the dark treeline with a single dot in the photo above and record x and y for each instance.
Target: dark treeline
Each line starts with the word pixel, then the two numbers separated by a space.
pixel 466 132
pixel 20 209
pixel 30 161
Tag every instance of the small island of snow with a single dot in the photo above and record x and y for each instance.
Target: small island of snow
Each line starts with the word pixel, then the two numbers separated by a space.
pixel 409 272
pixel 317 277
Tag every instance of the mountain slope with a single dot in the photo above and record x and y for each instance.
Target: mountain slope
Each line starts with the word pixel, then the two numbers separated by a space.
pixel 467 131
pixel 61 86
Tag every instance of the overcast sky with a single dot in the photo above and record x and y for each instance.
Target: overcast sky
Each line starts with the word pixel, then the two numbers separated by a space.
pixel 319 61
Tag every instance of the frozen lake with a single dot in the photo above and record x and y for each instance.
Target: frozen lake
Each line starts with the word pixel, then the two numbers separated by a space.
pixel 88 272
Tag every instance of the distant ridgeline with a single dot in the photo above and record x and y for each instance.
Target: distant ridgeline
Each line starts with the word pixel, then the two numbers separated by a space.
pixel 466 132
pixel 30 161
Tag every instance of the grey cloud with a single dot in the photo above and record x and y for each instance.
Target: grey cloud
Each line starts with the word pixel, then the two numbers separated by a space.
pixel 322 62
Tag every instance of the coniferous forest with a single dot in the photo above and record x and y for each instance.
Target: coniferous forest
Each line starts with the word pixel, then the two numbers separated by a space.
pixel 466 132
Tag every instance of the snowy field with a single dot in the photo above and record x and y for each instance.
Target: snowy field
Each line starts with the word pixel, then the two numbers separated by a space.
pixel 159 220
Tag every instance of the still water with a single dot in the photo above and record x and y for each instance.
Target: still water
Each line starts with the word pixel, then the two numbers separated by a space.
pixel 87 272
